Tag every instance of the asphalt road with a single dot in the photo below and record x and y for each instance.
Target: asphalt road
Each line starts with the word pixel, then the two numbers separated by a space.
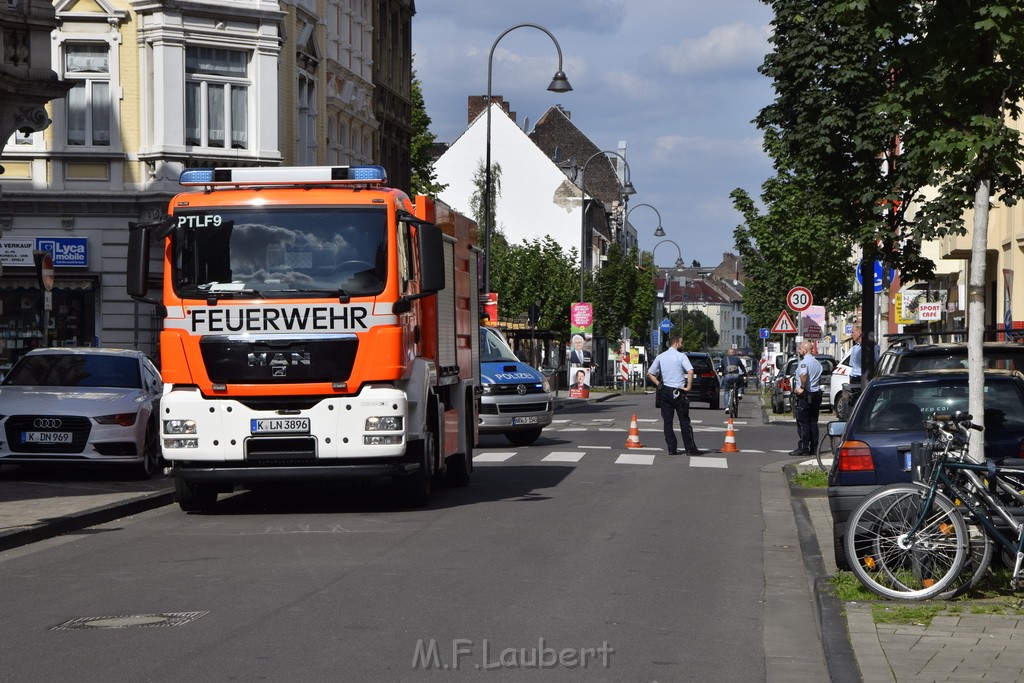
pixel 647 567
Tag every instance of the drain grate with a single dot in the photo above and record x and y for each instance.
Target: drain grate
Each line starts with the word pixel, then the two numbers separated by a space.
pixel 130 621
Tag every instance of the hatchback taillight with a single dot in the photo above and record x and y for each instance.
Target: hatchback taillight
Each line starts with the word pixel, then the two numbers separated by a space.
pixel 707 374
pixel 855 456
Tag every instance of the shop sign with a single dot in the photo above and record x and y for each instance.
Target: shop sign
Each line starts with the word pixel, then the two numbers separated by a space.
pixel 70 252
pixel 67 252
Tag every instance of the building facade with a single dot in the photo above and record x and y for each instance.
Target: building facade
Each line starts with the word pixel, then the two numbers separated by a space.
pixel 155 87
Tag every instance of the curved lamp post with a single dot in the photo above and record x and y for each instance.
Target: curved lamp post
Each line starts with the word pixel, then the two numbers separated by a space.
pixel 627 190
pixel 660 232
pixel 559 83
pixel 679 261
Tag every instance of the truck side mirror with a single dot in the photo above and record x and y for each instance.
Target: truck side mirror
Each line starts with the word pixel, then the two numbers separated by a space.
pixel 430 241
pixel 138 260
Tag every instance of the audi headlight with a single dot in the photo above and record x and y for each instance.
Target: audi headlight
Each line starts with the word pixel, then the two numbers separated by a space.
pixel 123 419
pixel 384 424
pixel 180 427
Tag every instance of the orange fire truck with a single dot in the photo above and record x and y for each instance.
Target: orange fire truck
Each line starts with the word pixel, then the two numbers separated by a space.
pixel 317 326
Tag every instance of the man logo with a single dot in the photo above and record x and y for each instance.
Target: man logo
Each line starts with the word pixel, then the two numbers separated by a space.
pixel 46 423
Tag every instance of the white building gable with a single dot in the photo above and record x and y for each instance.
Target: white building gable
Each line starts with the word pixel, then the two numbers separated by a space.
pixel 536 199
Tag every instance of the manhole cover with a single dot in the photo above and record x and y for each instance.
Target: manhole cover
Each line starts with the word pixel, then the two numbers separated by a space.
pixel 130 620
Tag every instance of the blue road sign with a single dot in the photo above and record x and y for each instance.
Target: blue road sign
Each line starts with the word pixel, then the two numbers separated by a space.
pixel 763 332
pixel 878 276
pixel 655 339
pixel 666 325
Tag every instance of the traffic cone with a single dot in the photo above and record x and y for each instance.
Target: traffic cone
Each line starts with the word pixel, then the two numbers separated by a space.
pixel 730 439
pixel 633 441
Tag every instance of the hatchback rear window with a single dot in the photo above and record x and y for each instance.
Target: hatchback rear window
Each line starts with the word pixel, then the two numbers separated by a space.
pixel 905 407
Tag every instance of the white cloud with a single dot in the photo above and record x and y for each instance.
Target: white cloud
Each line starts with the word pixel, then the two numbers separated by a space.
pixel 723 48
pixel 671 146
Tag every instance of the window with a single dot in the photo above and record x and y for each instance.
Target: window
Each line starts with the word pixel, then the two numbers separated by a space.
pixel 87 68
pixel 216 98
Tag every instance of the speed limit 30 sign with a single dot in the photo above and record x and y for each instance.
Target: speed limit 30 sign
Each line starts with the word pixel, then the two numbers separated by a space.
pixel 799 299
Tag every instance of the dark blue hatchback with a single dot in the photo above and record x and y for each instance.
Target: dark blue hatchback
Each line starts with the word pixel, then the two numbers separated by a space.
pixel 890 417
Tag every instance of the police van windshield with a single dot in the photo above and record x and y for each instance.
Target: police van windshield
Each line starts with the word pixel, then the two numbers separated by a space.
pixel 280 252
pixel 493 348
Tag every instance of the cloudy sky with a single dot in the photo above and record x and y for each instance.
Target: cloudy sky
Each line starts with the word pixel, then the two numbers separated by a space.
pixel 675 79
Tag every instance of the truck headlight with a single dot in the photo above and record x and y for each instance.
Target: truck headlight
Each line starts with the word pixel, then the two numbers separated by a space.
pixel 382 439
pixel 181 443
pixel 179 426
pixel 390 423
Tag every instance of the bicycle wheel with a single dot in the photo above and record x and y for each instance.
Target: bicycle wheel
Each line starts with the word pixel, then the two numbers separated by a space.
pixel 821 447
pixel 896 566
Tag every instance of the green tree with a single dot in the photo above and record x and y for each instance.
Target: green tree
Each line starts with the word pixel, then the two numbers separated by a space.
pixel 622 295
pixel 696 328
pixel 790 244
pixel 893 104
pixel 424 179
pixel 534 271
pixel 476 200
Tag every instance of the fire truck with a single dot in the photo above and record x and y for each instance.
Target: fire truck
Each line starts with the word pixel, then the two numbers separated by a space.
pixel 317 326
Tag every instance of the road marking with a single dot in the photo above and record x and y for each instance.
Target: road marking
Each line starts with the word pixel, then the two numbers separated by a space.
pixel 610 429
pixel 704 461
pixel 573 429
pixel 634 459
pixel 558 422
pixel 607 448
pixel 492 457
pixel 563 457
pixel 747 450
pixel 648 419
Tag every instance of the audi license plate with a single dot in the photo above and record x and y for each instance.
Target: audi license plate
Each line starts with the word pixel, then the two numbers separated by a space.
pixel 527 420
pixel 46 437
pixel 279 425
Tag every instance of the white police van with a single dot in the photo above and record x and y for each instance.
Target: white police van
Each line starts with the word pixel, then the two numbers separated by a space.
pixel 516 398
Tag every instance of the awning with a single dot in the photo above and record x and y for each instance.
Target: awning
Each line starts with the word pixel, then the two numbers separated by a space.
pixel 59 283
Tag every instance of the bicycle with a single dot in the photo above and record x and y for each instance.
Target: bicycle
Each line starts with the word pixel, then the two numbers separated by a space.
pixel 834 440
pixel 935 537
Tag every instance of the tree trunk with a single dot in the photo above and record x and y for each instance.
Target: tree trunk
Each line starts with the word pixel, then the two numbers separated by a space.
pixel 976 318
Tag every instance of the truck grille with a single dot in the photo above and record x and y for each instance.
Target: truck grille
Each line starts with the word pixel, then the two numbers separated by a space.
pixel 290 450
pixel 230 360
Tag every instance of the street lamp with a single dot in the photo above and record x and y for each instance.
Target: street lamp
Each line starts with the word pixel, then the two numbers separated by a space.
pixel 660 232
pixel 627 190
pixel 679 261
pixel 559 83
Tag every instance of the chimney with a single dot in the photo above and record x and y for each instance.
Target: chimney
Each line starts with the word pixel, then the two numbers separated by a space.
pixel 478 103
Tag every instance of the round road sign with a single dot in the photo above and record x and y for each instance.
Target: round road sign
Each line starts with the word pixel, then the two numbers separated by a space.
pixel 799 299
pixel 46 272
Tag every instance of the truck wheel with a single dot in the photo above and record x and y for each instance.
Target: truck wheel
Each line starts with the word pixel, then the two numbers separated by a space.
pixel 194 497
pixel 524 437
pixel 460 465
pixel 415 488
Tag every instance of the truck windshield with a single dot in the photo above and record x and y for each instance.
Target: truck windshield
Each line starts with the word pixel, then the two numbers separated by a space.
pixel 280 252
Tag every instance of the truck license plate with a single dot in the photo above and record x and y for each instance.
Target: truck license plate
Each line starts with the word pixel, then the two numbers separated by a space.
pixel 279 425
pixel 527 420
pixel 46 437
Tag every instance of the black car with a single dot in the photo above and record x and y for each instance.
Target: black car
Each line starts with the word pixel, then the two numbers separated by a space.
pixel 889 417
pixel 706 385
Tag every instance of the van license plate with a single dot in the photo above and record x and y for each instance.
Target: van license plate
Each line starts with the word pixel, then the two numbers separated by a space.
pixel 46 437
pixel 528 420
pixel 279 425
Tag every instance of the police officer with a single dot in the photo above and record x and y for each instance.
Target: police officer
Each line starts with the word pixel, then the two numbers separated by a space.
pixel 807 402
pixel 672 373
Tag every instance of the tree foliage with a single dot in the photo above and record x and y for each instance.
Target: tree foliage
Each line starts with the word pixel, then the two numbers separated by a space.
pixel 424 179
pixel 623 295
pixel 893 104
pixel 534 271
pixel 696 328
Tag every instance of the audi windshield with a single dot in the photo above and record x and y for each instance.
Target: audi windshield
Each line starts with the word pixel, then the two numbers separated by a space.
pixel 267 252
pixel 75 370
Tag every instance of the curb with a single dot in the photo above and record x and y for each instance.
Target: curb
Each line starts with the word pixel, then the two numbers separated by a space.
pixel 50 528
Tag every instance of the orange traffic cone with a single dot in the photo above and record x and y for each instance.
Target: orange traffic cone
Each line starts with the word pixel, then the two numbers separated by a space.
pixel 730 439
pixel 633 441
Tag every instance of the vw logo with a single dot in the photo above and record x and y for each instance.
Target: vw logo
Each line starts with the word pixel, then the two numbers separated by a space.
pixel 521 389
pixel 46 423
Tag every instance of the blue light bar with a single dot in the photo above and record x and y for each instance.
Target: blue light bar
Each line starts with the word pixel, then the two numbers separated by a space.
pixel 285 175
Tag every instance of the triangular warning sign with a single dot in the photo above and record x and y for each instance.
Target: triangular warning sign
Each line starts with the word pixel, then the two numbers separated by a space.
pixel 784 325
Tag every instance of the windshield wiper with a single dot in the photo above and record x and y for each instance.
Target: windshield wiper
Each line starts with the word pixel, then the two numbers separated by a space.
pixel 343 296
pixel 215 291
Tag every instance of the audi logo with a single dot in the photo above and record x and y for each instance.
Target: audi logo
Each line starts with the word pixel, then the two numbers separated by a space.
pixel 46 423
pixel 521 389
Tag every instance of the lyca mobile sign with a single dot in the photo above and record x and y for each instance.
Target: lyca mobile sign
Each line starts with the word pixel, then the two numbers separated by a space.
pixel 68 252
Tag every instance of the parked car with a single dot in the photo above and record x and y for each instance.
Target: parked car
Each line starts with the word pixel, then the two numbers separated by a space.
pixel 706 385
pixel 81 405
pixel 782 386
pixel 908 357
pixel 889 417
pixel 516 399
